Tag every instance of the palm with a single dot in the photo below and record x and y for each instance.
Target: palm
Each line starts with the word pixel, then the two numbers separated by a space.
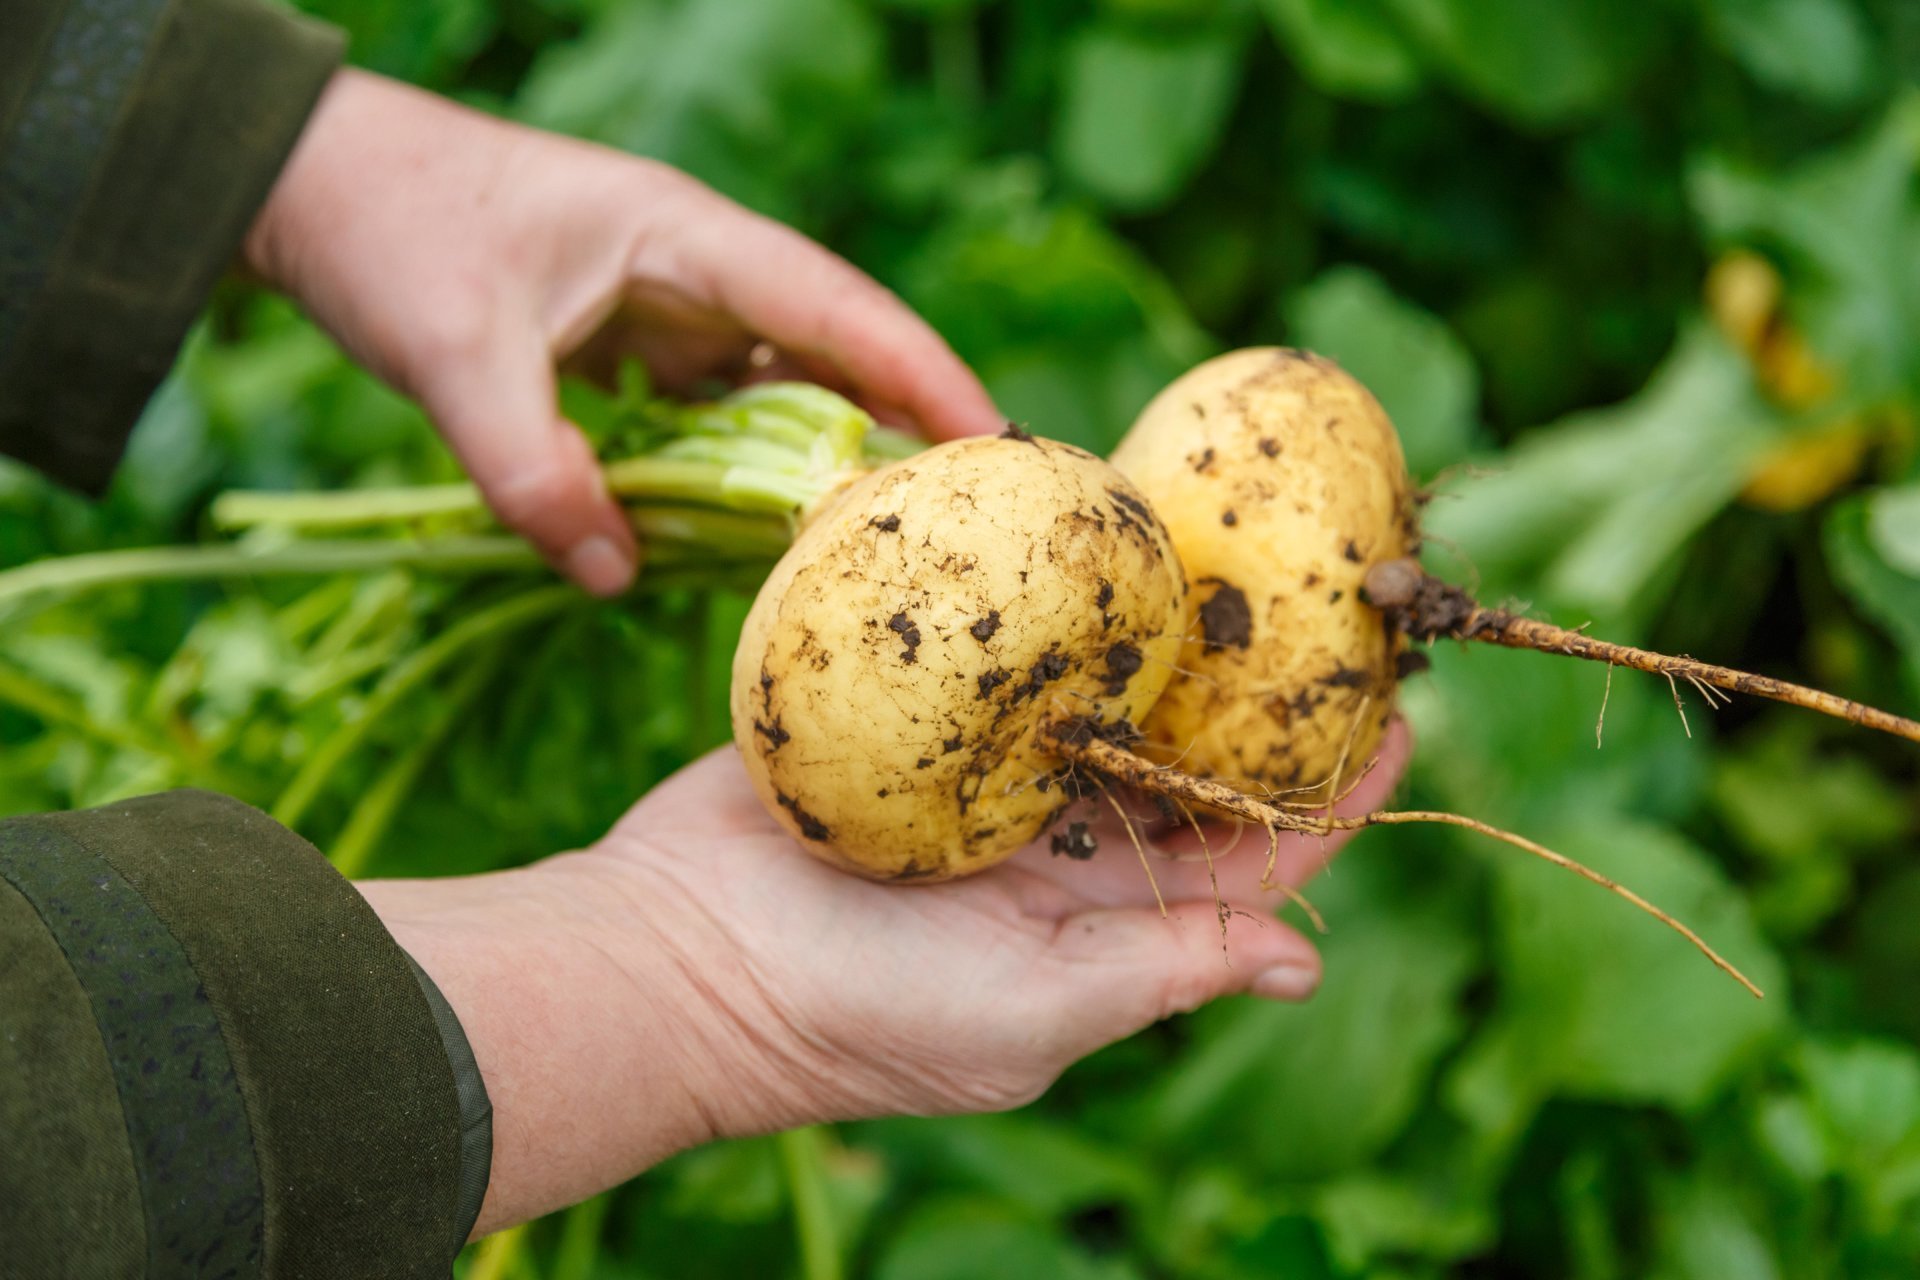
pixel 968 995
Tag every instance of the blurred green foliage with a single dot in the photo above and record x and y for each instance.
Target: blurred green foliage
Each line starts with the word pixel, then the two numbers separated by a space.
pixel 1652 270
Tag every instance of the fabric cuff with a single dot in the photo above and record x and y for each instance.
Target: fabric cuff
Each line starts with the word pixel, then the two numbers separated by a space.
pixel 282 1073
pixel 133 164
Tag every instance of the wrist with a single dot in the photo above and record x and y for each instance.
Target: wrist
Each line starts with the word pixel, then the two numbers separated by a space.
pixel 744 1063
pixel 262 251
pixel 593 1064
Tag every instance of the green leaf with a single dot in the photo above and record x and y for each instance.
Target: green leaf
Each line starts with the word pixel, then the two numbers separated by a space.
pixel 1847 228
pixel 1867 1095
pixel 1027 1159
pixel 1328 1084
pixel 1594 506
pixel 1787 1129
pixel 1371 1217
pixel 1413 363
pixel 1706 1231
pixel 1604 1002
pixel 753 96
pixel 1350 48
pixel 1787 803
pixel 954 1237
pixel 1893 526
pixel 736 1182
pixel 1540 63
pixel 1817 48
pixel 1886 594
pixel 1141 113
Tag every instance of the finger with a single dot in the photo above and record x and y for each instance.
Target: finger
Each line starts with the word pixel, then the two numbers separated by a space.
pixel 1126 968
pixel 493 398
pixel 808 301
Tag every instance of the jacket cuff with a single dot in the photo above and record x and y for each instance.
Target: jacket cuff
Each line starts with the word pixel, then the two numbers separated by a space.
pixel 288 1097
pixel 133 164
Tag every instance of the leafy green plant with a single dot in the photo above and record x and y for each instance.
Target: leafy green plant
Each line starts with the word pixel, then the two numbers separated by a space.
pixel 1532 229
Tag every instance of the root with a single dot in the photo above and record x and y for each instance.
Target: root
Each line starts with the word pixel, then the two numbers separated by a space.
pixel 1081 742
pixel 1600 723
pixel 1134 836
pixel 1219 904
pixel 1427 608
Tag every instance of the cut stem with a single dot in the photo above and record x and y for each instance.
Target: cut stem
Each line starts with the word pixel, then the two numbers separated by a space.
pixel 1428 608
pixel 1076 742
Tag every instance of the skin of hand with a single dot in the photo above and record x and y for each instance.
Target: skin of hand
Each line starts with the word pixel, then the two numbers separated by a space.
pixel 696 975
pixel 463 258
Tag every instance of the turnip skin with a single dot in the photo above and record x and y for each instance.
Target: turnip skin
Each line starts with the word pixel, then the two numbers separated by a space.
pixel 1281 479
pixel 895 666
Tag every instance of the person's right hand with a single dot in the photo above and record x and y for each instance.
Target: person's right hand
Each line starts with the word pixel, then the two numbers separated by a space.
pixel 696 975
pixel 462 258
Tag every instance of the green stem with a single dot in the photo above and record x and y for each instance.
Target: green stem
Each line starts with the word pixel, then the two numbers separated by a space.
pixel 699 480
pixel 68 575
pixel 499 1255
pixel 346 509
pixel 681 534
pixel 737 488
pixel 580 1238
pixel 417 669
pixel 801 1159
pixel 677 537
pixel 373 814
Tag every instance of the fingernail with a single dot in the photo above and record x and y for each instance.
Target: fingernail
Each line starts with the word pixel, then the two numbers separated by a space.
pixel 596 564
pixel 1286 982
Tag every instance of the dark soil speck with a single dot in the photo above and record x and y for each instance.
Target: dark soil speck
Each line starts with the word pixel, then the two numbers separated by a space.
pixel 1225 618
pixel 1076 842
pixel 1052 665
pixel 810 827
pixel 983 630
pixel 909 634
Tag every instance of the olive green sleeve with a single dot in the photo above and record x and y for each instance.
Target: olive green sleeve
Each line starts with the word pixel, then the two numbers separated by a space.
pixel 214 1060
pixel 137 140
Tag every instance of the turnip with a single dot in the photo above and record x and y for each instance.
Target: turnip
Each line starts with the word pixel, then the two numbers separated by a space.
pixel 1281 481
pixel 897 670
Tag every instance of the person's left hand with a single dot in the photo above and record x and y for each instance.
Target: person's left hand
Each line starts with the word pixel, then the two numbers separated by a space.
pixel 461 258
pixel 844 998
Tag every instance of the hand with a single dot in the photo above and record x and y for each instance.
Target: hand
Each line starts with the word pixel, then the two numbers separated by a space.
pixel 697 976
pixel 461 257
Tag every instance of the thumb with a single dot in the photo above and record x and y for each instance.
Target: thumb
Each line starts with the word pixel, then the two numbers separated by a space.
pixel 1127 967
pixel 497 408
